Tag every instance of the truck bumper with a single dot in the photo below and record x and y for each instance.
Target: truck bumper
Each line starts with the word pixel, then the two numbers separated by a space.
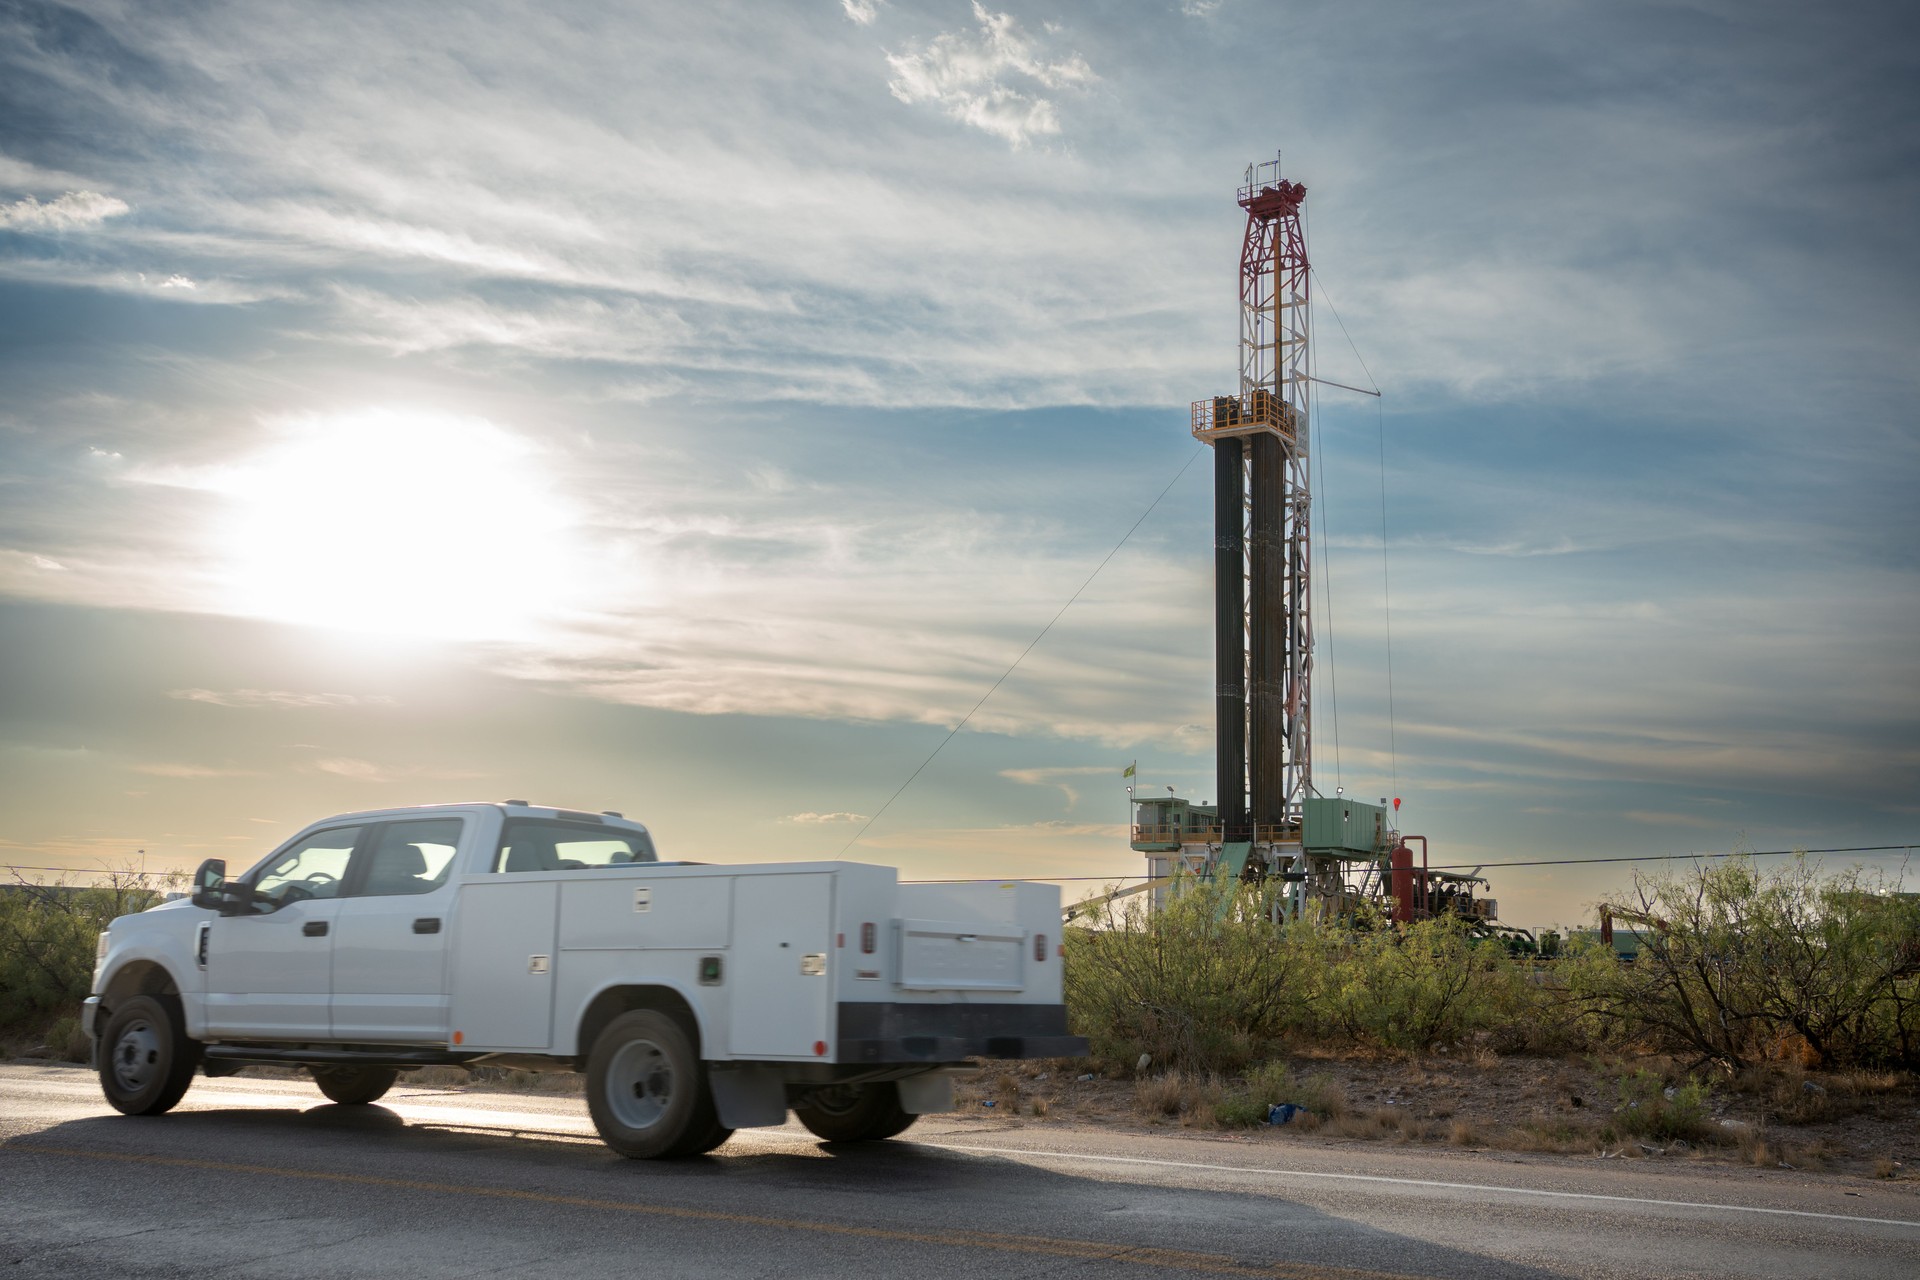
pixel 887 1033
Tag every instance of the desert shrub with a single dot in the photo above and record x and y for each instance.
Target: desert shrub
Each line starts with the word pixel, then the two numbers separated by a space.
pixel 1427 982
pixel 1266 1085
pixel 1240 1111
pixel 1650 1108
pixel 1219 979
pixel 1205 985
pixel 47 940
pixel 1739 958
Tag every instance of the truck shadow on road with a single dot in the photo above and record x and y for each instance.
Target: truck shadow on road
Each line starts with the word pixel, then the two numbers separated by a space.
pixel 914 1195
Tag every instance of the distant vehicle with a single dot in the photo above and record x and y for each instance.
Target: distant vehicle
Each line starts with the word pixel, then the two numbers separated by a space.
pixel 696 999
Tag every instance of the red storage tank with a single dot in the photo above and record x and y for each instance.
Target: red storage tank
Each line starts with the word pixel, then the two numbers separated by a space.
pixel 1401 860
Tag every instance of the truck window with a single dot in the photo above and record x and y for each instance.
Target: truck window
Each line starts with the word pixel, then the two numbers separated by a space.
pixel 313 868
pixel 410 857
pixel 532 844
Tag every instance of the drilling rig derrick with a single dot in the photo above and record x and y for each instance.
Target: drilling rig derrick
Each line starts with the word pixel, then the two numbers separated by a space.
pixel 1268 820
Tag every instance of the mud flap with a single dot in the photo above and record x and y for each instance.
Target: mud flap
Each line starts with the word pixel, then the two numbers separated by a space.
pixel 748 1097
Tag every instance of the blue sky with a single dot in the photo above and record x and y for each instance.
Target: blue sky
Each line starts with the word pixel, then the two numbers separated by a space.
pixel 691 410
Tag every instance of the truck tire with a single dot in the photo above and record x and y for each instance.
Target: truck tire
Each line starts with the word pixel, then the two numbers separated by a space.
pixel 854 1112
pixel 354 1086
pixel 146 1059
pixel 716 1136
pixel 647 1091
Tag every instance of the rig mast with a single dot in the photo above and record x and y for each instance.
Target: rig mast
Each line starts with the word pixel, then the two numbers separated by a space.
pixel 1263 609
pixel 1268 821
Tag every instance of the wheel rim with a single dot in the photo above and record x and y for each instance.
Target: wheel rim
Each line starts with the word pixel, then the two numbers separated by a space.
pixel 136 1056
pixel 639 1084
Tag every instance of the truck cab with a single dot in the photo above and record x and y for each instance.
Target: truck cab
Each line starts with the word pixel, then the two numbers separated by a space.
pixel 697 998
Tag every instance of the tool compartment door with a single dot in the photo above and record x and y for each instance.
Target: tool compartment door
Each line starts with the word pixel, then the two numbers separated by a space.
pixel 782 949
pixel 503 964
pixel 946 955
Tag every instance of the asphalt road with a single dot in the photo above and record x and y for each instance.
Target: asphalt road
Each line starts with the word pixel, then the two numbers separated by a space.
pixel 264 1178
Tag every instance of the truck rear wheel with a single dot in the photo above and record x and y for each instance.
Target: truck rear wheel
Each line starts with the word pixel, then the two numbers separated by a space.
pixel 146 1059
pixel 854 1112
pixel 354 1086
pixel 647 1091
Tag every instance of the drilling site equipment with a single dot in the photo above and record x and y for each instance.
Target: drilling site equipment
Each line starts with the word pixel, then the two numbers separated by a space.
pixel 1270 823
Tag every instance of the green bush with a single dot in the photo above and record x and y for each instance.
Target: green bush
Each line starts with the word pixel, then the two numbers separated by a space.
pixel 1738 964
pixel 1423 984
pixel 1205 985
pixel 1213 982
pixel 47 943
pixel 1649 1108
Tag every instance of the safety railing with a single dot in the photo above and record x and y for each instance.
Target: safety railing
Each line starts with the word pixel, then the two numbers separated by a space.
pixel 1256 411
pixel 1174 834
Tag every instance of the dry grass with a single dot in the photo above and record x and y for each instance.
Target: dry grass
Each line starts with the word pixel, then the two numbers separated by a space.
pixel 1159 1095
pixel 1566 1107
pixel 1193 1099
pixel 1376 1125
pixel 1757 1149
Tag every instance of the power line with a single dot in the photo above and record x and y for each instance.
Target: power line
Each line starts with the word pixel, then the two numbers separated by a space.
pixel 1454 866
pixel 1481 866
pixel 1024 652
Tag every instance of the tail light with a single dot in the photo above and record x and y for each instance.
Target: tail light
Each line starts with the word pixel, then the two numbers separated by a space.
pixel 868 939
pixel 1039 946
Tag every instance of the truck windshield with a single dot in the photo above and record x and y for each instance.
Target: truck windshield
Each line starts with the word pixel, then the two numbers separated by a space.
pixel 534 844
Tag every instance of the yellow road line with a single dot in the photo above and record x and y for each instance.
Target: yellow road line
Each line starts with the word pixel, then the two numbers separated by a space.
pixel 1143 1255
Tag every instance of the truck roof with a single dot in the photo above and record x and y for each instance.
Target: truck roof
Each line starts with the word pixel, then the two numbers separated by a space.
pixel 512 808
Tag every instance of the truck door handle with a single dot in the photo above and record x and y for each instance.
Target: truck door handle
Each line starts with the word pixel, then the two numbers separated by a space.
pixel 427 924
pixel 314 928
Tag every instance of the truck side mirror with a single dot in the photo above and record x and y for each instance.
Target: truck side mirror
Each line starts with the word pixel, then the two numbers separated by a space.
pixel 211 890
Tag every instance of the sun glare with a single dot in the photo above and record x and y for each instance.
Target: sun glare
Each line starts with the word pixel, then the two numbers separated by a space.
pixel 399 523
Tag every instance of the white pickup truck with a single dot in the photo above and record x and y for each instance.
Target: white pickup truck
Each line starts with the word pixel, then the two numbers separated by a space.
pixel 698 999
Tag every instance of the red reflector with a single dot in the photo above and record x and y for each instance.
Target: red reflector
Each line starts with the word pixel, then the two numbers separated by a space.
pixel 839 939
pixel 1061 951
pixel 867 942
pixel 1039 946
pixel 819 1048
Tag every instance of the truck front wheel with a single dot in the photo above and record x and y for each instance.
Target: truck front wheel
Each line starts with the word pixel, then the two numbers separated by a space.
pixel 854 1112
pixel 646 1090
pixel 354 1086
pixel 146 1059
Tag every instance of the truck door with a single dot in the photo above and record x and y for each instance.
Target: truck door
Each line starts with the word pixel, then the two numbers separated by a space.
pixel 269 971
pixel 782 945
pixel 390 939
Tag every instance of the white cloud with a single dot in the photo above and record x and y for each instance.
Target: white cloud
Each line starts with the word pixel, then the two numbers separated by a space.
pixel 63 213
pixel 1054 777
pixel 862 11
pixel 350 767
pixel 972 76
pixel 279 698
pixel 810 819
pixel 192 771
